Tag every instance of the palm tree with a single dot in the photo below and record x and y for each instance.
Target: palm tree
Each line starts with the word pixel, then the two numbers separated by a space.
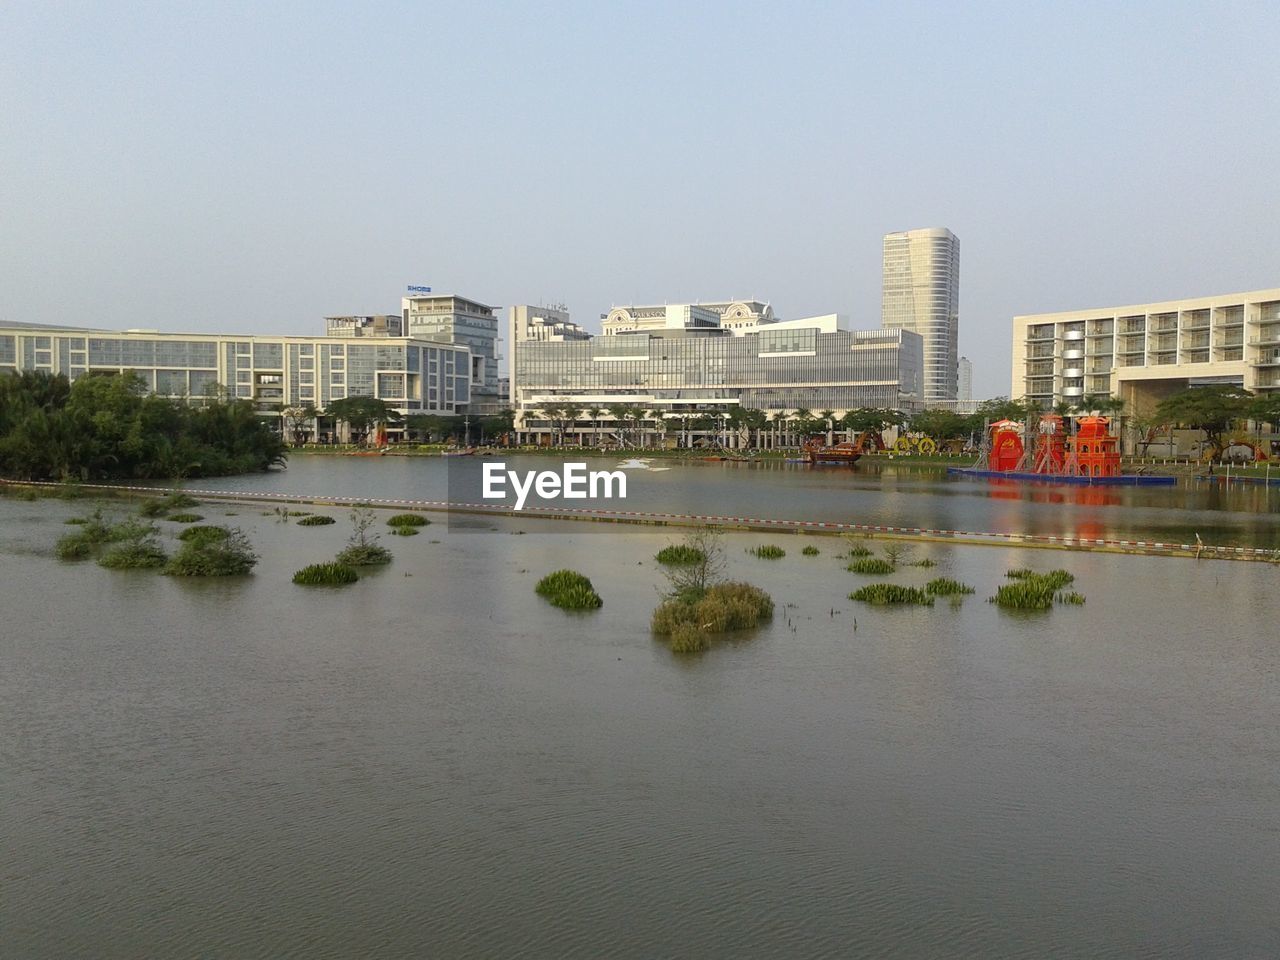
pixel 595 413
pixel 829 418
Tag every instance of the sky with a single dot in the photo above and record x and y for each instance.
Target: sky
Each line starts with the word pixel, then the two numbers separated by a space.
pixel 253 167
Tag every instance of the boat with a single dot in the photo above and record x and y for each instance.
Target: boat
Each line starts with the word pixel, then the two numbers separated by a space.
pixel 815 451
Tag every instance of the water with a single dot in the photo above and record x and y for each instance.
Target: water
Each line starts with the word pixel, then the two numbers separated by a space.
pixel 1239 515
pixel 435 763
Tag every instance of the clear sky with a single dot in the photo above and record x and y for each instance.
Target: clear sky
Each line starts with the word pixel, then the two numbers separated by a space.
pixel 253 167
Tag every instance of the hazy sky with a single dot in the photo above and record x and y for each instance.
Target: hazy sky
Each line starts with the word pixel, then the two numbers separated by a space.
pixel 253 167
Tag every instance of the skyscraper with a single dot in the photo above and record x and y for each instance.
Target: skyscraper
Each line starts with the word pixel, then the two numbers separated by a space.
pixel 964 380
pixel 921 293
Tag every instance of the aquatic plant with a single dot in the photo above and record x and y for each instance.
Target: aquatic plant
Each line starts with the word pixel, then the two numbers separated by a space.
pixel 768 551
pixel 326 575
pixel 363 549
pixel 857 550
pixel 680 554
pixel 1058 578
pixel 141 554
pixel 1073 598
pixel 74 546
pixel 158 506
pixel 568 590
pixel 721 608
pixel 316 520
pixel 896 553
pixel 184 518
pixel 872 566
pixel 1036 591
pixel 923 562
pixel 75 521
pixel 407 520
pixel 405 531
pixel 886 593
pixel 204 534
pixel 810 551
pixel 227 555
pixel 946 587
pixel 687 638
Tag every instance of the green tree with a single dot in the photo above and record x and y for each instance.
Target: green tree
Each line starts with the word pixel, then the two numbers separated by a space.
pixel 361 415
pixel 1212 409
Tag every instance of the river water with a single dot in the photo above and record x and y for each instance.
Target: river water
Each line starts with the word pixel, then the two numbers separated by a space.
pixel 435 763
pixel 871 493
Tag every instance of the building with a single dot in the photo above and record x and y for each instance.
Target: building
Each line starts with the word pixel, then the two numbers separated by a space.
pixel 921 293
pixel 679 371
pixel 381 325
pixel 1144 352
pixel 964 380
pixel 411 375
pixel 671 316
pixel 545 324
pixel 446 318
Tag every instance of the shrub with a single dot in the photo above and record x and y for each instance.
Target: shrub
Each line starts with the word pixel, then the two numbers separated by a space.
pixel 568 590
pixel 768 551
pixel 70 491
pixel 872 566
pixel 367 555
pixel 316 520
pixel 810 551
pixel 883 593
pixel 204 534
pixel 184 517
pixel 181 501
pixel 228 555
pixel 326 575
pixel 153 508
pixel 407 520
pixel 680 554
pixel 946 587
pixel 405 531
pixel 141 554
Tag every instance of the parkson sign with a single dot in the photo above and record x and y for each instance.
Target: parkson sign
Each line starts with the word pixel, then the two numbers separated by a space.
pixel 573 482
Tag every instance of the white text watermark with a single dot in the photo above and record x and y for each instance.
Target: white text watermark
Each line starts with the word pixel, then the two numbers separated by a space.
pixel 573 482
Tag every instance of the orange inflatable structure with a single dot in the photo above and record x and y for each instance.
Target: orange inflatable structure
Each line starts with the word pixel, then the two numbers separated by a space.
pixel 1051 446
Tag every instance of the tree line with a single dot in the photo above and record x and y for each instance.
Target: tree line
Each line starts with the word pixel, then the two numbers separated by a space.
pixel 107 427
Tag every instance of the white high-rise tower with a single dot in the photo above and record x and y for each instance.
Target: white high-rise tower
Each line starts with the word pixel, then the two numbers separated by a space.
pixel 921 293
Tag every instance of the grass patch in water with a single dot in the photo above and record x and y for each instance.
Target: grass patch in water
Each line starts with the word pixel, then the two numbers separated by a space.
pixel 810 551
pixel 887 593
pixel 871 566
pixel 316 520
pixel 680 555
pixel 568 590
pixel 946 587
pixel 326 575
pixel 768 551
pixel 407 520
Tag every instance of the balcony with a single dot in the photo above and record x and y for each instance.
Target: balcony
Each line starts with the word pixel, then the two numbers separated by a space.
pixel 1074 373
pixel 1073 391
pixel 1073 353
pixel 1073 335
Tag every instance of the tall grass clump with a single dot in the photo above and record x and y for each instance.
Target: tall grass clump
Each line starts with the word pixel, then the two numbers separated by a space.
pixel 316 520
pixel 857 550
pixel 679 555
pixel 1035 591
pixel 946 587
pixel 722 608
pixel 768 551
pixel 226 555
pixel 326 575
pixel 405 531
pixel 95 533
pixel 184 518
pixel 363 549
pixel 886 593
pixel 810 551
pixel 872 566
pixel 568 590
pixel 407 520
pixel 159 506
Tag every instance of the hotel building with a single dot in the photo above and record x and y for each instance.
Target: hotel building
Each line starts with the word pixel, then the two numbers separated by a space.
pixel 1144 352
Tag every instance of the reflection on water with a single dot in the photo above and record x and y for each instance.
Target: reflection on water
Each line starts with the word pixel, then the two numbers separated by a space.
pixel 873 493
pixel 435 763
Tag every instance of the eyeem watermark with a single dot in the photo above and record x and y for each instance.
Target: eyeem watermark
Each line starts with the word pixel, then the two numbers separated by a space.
pixel 573 482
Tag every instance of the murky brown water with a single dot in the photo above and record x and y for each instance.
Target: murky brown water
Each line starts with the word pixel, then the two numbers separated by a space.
pixel 435 763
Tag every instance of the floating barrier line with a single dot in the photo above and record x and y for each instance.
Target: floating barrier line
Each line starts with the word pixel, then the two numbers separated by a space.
pixel 972 537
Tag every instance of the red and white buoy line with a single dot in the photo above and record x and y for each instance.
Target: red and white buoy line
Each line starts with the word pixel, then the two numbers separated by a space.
pixel 978 538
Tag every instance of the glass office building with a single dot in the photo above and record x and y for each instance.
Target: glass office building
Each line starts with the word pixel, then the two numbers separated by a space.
pixel 921 293
pixel 679 372
pixel 413 376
